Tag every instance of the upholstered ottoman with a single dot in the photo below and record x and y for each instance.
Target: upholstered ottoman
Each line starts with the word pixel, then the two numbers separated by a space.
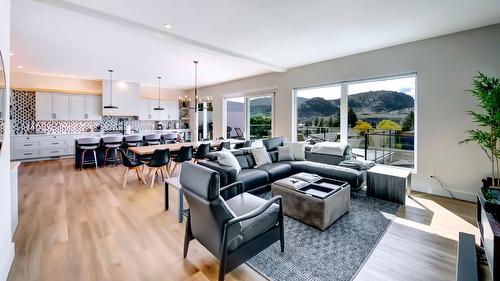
pixel 310 209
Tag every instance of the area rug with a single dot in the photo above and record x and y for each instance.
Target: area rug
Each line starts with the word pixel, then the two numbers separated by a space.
pixel 334 254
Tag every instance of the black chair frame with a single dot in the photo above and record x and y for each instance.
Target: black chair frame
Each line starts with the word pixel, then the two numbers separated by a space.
pixel 230 260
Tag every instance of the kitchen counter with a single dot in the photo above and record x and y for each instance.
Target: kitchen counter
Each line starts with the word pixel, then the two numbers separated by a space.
pixel 104 134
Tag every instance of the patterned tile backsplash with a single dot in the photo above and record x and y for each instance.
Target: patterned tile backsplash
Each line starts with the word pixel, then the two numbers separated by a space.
pixel 22 115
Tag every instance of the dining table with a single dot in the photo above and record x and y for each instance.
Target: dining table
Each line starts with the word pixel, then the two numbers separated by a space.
pixel 149 149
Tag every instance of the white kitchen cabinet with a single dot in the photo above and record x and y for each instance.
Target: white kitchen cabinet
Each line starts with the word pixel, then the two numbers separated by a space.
pixel 60 106
pixel 43 106
pixel 145 113
pixel 173 110
pixel 77 107
pixel 163 114
pixel 93 107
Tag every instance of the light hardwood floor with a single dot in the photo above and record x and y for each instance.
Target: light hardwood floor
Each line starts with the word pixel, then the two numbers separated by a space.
pixel 83 226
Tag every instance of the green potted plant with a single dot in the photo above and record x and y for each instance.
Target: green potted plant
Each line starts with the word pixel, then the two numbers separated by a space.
pixel 487 91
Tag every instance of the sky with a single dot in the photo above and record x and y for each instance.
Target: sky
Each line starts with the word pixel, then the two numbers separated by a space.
pixel 405 85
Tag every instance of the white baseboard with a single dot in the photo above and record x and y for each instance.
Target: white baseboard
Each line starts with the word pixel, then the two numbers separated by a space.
pixel 458 194
pixel 6 262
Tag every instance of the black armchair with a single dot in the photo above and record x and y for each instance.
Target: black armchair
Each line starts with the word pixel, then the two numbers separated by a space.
pixel 233 230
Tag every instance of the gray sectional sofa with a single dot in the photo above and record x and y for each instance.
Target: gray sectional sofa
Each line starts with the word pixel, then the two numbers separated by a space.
pixel 255 178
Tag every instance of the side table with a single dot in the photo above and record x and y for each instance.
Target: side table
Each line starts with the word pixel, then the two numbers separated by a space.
pixel 388 183
pixel 175 183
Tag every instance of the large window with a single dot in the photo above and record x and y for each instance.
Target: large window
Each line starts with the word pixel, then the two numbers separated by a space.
pixel 318 114
pixel 250 117
pixel 376 117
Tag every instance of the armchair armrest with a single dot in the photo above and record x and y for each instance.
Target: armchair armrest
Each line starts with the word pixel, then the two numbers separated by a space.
pixel 257 211
pixel 238 185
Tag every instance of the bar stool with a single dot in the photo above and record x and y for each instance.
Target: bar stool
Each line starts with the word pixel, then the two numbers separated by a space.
pixel 133 141
pixel 112 143
pixel 87 144
pixel 168 138
pixel 153 139
pixel 185 153
pixel 201 152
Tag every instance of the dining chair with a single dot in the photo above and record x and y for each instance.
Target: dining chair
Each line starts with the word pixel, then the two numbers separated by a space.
pixel 185 153
pixel 88 144
pixel 224 144
pixel 201 152
pixel 131 165
pixel 153 139
pixel 159 160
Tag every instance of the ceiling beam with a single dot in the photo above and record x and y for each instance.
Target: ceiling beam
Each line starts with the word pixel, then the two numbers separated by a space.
pixel 155 31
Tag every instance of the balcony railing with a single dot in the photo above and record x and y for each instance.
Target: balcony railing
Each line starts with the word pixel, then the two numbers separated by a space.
pixel 382 146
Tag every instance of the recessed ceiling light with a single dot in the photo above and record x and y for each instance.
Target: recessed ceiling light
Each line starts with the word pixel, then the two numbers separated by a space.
pixel 11 54
pixel 20 66
pixel 167 26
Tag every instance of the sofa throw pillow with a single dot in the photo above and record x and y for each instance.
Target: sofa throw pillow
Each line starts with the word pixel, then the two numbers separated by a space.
pixel 285 153
pixel 226 158
pixel 298 150
pixel 260 155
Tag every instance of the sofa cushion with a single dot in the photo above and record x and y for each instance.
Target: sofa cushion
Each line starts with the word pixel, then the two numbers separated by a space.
pixel 252 178
pixel 356 179
pixel 226 158
pixel 276 171
pixel 251 228
pixel 260 155
pixel 273 143
pixel 285 153
pixel 298 150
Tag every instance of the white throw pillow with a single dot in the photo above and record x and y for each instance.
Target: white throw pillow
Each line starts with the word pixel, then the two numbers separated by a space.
pixel 298 150
pixel 260 155
pixel 226 158
pixel 285 153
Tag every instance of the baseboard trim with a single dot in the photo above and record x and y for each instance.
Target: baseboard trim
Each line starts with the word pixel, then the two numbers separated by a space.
pixel 458 194
pixel 6 262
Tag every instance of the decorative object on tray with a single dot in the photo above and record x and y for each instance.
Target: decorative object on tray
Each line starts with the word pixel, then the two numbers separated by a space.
pixel 487 91
pixel 307 177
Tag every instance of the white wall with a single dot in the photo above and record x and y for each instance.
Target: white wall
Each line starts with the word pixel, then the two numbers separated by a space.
pixel 444 65
pixel 6 245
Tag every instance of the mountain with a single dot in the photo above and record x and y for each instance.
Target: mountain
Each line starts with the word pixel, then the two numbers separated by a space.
pixel 259 106
pixel 362 103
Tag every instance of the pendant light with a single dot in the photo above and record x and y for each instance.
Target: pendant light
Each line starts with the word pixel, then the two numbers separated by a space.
pixel 159 107
pixel 195 86
pixel 110 106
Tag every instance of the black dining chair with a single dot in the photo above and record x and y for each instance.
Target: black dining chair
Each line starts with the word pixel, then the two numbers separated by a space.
pixel 131 165
pixel 201 152
pixel 88 144
pixel 159 160
pixel 239 145
pixel 184 154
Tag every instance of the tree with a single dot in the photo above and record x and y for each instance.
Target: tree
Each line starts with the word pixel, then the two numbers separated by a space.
pixel 408 122
pixel 388 125
pixel 331 122
pixel 487 91
pixel 336 122
pixel 321 122
pixel 316 121
pixel 352 118
pixel 260 126
pixel 363 126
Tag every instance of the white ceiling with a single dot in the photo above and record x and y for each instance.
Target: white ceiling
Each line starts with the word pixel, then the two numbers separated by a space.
pixel 232 39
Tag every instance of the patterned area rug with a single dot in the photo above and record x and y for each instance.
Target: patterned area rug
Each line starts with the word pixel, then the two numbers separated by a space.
pixel 334 254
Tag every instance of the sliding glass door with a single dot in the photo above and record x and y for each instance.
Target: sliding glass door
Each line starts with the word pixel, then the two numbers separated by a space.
pixel 250 117
pixel 260 117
